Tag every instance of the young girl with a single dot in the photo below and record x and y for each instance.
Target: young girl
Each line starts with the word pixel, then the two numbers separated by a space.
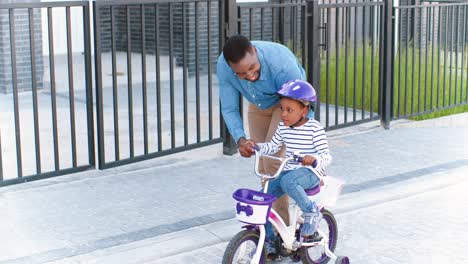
pixel 300 135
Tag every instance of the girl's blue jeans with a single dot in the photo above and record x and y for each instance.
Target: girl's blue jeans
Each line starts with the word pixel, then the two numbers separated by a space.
pixel 293 183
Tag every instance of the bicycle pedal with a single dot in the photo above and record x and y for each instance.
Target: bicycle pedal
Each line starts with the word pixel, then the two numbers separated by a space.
pixel 274 257
pixel 315 237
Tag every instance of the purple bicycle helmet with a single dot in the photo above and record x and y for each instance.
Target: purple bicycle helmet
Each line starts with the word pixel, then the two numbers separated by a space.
pixel 299 90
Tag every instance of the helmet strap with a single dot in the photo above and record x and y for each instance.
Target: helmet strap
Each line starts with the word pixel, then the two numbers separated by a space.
pixel 297 122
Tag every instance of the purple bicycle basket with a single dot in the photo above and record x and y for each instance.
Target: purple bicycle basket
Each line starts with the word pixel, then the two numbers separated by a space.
pixel 252 206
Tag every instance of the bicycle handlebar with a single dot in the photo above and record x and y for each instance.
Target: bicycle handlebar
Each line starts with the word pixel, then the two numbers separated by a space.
pixel 284 161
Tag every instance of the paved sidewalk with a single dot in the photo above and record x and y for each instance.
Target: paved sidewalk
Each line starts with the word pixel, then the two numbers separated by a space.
pixel 133 214
pixel 409 222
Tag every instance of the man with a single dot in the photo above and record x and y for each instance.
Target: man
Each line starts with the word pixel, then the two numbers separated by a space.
pixel 256 69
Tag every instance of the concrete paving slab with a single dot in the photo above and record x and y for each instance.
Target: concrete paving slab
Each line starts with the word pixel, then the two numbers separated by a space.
pixel 96 212
pixel 398 223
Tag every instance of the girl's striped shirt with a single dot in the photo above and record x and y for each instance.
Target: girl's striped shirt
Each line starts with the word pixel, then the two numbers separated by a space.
pixel 308 139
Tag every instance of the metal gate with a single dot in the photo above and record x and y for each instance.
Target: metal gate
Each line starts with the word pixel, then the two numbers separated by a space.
pixel 46 117
pixel 339 42
pixel 155 87
pixel 156 92
pixel 350 70
pixel 430 64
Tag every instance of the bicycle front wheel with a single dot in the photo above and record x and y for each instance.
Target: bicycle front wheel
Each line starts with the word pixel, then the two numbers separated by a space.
pixel 242 248
pixel 316 255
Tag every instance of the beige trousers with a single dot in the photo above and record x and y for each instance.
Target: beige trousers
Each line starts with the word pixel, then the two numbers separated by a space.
pixel 262 126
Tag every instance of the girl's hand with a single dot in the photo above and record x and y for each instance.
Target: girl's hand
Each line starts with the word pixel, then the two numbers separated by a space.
pixel 308 160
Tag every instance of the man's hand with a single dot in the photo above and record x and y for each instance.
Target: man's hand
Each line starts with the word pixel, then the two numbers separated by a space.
pixel 245 147
pixel 308 160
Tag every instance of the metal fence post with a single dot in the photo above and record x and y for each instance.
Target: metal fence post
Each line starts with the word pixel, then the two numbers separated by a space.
pixel 98 80
pixel 386 81
pixel 281 24
pixel 313 56
pixel 228 27
pixel 392 66
pixel 89 85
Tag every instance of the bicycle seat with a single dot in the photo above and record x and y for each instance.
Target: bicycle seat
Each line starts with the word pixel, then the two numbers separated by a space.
pixel 313 191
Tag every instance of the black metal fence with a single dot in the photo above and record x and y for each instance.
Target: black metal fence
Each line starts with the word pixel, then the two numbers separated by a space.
pixel 278 22
pixel 344 39
pixel 155 89
pixel 430 58
pixel 350 61
pixel 155 84
pixel 46 114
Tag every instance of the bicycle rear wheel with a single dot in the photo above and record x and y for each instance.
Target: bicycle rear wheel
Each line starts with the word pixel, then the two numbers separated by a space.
pixel 242 248
pixel 316 255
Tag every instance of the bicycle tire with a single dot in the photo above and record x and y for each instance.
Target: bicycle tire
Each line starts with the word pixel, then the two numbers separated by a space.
pixel 330 221
pixel 242 237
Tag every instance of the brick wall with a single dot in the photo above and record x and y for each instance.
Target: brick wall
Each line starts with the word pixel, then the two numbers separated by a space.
pixel 271 31
pixel 4 49
pixel 272 28
pixel 120 18
pixel 23 51
pixel 421 27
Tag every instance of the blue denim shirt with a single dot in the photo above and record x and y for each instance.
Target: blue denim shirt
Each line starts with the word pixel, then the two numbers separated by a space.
pixel 277 66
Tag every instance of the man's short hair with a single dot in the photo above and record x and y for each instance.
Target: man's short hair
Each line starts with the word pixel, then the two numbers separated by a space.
pixel 235 48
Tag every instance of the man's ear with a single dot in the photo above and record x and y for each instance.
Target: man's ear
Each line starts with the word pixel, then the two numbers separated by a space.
pixel 252 50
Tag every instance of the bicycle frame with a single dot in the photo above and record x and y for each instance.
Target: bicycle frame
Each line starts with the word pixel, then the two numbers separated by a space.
pixel 287 233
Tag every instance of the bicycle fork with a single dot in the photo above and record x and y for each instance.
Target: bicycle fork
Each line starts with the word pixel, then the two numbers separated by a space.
pixel 261 242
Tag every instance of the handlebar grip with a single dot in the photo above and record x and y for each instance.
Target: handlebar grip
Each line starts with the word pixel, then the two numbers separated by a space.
pixel 299 159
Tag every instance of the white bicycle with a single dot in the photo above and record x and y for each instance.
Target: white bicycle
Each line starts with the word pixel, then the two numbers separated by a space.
pixel 254 209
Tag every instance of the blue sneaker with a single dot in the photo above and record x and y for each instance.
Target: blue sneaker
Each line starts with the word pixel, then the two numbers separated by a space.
pixel 310 224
